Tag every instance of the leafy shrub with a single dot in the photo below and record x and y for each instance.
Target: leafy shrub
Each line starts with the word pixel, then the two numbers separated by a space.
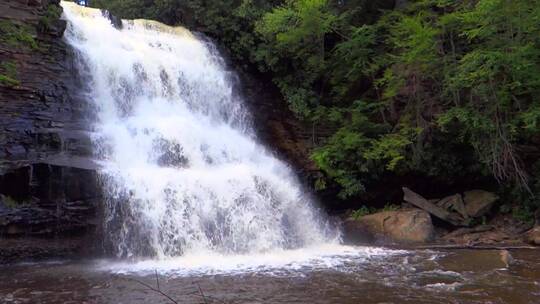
pixel 9 76
pixel 362 211
pixel 8 81
pixel 444 89
pixel 52 14
pixel 523 214
pixel 390 207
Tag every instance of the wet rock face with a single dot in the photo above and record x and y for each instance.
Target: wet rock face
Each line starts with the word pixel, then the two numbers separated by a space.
pixel 48 183
pixel 60 201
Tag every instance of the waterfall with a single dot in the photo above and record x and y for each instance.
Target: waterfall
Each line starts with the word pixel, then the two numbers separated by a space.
pixel 183 171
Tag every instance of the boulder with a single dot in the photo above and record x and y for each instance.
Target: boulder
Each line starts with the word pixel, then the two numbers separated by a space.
pixel 479 202
pixel 454 203
pixel 533 236
pixel 506 258
pixel 356 232
pixel 445 215
pixel 403 226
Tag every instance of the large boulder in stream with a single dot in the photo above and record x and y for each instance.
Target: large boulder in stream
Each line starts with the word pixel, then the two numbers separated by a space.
pixel 479 202
pixel 403 226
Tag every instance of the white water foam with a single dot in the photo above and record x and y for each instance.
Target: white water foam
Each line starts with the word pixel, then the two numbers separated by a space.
pixel 274 263
pixel 187 184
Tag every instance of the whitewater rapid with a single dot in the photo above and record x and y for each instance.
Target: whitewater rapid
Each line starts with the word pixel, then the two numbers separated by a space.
pixel 183 172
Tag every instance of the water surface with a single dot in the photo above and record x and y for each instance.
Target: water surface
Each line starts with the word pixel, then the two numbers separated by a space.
pixel 349 275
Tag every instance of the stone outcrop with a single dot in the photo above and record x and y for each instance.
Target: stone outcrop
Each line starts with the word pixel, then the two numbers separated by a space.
pixel 49 188
pixel 48 183
pixel 479 202
pixel 456 209
pixel 454 203
pixel 276 125
pixel 434 208
pixel 403 226
pixel 533 236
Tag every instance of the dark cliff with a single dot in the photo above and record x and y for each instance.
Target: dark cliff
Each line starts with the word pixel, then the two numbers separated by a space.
pixel 49 188
pixel 49 191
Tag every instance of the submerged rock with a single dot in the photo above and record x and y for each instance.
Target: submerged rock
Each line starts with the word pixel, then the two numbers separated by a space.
pixel 479 202
pixel 404 226
pixel 506 258
pixel 470 260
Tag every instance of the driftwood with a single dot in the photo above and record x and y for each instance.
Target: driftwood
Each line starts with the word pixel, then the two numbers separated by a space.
pixel 157 289
pixel 422 203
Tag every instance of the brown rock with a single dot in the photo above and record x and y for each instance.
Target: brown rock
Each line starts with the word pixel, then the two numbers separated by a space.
pixel 533 236
pixel 34 2
pixel 406 226
pixel 506 258
pixel 356 232
pixel 479 202
pixel 454 203
pixel 483 235
pixel 420 202
pixel 45 145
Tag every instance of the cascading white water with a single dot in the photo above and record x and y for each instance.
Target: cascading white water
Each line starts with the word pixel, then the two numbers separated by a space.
pixel 184 173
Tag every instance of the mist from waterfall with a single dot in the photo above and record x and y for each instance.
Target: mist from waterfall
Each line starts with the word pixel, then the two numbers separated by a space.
pixel 183 171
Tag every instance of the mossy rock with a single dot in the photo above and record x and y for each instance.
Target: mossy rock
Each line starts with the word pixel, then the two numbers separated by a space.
pixel 8 81
pixel 17 35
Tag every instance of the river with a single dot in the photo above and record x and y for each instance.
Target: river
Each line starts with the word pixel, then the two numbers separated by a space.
pixel 357 275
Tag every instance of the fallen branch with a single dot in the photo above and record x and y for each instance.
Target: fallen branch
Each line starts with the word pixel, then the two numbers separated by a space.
pixel 202 294
pixel 198 293
pixel 156 290
pixel 422 203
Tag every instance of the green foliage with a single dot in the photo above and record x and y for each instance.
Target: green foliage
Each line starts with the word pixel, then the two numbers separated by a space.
pixel 293 38
pixel 439 88
pixel 362 211
pixel 8 81
pixel 17 35
pixel 390 207
pixel 335 158
pixel 391 147
pixel 523 214
pixel 12 203
pixel 10 68
pixel 52 14
pixel 500 75
pixel 365 210
pixel 353 59
pixel 358 153
pixel 9 74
